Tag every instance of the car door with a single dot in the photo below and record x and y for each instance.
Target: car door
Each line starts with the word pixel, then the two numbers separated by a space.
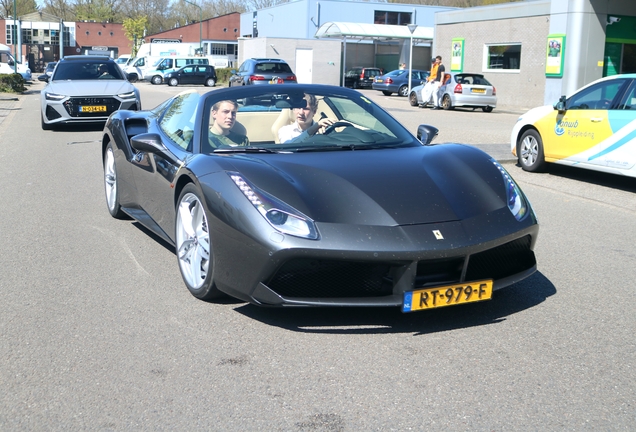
pixel 575 133
pixel 200 74
pixel 154 173
pixel 188 75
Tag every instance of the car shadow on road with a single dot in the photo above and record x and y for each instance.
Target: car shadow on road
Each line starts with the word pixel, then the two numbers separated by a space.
pixel 614 181
pixel 79 127
pixel 508 301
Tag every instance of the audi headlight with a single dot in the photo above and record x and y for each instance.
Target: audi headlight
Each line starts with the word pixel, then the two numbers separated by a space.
pixel 129 95
pixel 515 199
pixel 53 96
pixel 281 216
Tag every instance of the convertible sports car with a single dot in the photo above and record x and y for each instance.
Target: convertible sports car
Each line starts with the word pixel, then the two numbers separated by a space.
pixel 360 213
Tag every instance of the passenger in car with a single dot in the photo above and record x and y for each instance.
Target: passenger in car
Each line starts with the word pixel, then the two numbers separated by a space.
pixel 304 126
pixel 221 134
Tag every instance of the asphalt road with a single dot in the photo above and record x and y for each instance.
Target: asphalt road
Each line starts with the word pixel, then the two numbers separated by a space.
pixel 98 332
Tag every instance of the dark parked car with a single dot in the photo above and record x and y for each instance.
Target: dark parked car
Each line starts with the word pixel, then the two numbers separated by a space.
pixel 192 74
pixel 262 71
pixel 362 214
pixel 50 67
pixel 361 77
pixel 397 81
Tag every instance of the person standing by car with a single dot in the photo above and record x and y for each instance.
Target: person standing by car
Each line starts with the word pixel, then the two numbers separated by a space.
pixel 304 126
pixel 427 92
pixel 438 81
pixel 221 134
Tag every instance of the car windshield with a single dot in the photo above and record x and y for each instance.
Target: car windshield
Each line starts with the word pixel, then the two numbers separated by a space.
pixel 312 118
pixel 471 79
pixel 268 68
pixel 87 70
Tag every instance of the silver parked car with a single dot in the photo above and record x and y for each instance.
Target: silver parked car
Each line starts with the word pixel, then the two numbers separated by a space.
pixel 86 89
pixel 467 90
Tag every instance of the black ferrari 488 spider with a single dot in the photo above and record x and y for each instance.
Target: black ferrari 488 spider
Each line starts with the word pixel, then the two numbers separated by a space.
pixel 311 195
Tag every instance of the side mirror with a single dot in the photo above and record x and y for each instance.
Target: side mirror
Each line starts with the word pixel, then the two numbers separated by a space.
pixel 43 78
pixel 233 71
pixel 10 62
pixel 426 133
pixel 560 105
pixel 151 143
pixel 132 77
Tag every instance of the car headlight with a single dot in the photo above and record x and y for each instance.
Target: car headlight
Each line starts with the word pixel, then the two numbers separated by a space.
pixel 281 216
pixel 53 96
pixel 515 199
pixel 129 95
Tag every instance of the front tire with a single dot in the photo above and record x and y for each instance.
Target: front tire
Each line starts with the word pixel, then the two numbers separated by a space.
pixel 447 103
pixel 156 80
pixel 45 126
pixel 194 246
pixel 111 187
pixel 413 99
pixel 530 151
pixel 210 82
pixel 403 91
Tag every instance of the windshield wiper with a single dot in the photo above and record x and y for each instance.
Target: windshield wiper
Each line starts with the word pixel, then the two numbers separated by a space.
pixel 326 148
pixel 242 149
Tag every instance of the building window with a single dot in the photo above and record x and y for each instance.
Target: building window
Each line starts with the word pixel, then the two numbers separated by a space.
pixel 87 33
pixel 218 49
pixel 502 57
pixel 111 33
pixel 11 30
pixel 26 36
pixel 393 18
pixel 46 33
pixel 99 33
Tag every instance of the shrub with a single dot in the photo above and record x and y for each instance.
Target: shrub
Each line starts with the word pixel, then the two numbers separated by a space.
pixel 12 83
pixel 223 75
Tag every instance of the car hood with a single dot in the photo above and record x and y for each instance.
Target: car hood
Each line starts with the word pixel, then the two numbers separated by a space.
pixel 390 187
pixel 90 87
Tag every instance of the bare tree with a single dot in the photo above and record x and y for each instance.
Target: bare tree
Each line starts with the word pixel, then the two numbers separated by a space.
pixel 23 7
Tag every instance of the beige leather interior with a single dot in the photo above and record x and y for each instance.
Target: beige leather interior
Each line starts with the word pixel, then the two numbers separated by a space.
pixel 286 117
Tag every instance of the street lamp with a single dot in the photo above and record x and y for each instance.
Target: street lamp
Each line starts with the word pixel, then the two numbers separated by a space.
pixel 411 28
pixel 15 39
pixel 200 28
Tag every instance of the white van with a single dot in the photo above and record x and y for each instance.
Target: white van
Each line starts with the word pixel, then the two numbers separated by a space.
pixel 171 64
pixel 7 64
pixel 139 64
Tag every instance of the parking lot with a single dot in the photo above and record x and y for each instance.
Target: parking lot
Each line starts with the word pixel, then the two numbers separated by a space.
pixel 99 333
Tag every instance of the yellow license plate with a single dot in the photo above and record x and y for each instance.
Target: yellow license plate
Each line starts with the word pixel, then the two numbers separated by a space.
pixel 378 80
pixel 92 108
pixel 449 295
pixel 478 90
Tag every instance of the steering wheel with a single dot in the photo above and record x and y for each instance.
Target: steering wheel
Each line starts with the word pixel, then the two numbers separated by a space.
pixel 333 127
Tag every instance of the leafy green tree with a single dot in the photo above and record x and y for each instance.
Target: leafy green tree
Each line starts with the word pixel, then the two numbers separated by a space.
pixel 134 31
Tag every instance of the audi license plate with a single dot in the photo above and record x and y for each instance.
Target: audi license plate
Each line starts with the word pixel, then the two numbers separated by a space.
pixel 448 295
pixel 478 90
pixel 92 108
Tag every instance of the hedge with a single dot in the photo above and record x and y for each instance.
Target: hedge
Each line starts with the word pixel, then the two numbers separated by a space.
pixel 12 83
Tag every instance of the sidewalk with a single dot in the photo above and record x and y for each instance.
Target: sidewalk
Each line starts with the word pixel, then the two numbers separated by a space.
pixel 9 103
